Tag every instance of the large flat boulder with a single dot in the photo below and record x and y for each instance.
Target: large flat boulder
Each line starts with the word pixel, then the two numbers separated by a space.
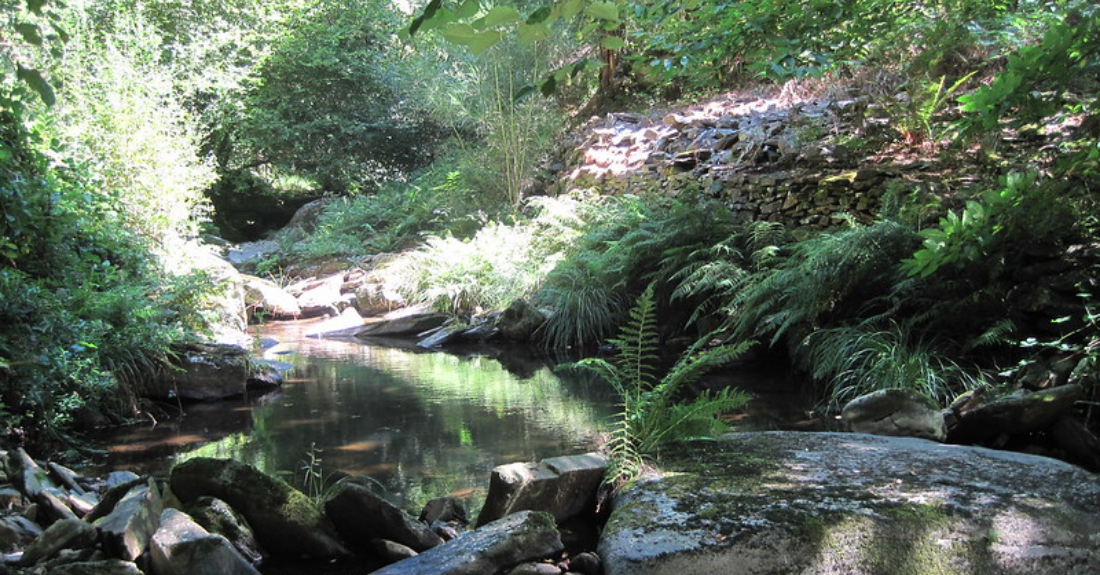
pixel 853 504
pixel 361 516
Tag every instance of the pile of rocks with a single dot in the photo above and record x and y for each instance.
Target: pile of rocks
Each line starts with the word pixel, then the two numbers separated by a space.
pixel 222 516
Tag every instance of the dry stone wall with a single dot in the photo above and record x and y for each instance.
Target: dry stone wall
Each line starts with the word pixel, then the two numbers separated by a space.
pixel 765 157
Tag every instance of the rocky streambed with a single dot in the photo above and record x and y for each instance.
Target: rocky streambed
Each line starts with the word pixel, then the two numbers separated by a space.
pixel 748 503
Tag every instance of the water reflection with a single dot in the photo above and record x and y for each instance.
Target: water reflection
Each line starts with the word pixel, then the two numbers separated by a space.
pixel 421 424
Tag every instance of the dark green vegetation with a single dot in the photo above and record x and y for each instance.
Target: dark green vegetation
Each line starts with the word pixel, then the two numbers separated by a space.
pixel 122 123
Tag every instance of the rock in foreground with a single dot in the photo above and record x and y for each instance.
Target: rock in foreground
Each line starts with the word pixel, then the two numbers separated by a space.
pixel 828 503
pixel 492 548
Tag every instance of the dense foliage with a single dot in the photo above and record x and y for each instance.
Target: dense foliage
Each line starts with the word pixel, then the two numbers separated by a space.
pixel 433 136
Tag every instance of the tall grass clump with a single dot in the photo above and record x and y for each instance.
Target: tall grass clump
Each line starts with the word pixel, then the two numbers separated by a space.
pixel 653 411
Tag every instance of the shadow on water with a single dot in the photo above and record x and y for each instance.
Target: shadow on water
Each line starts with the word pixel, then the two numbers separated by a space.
pixel 421 424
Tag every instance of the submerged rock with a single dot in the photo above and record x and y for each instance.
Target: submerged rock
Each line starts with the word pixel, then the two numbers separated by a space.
pixel 852 504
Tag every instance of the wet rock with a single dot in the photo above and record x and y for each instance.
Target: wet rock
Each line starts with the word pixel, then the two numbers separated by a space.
pixel 285 520
pixel 587 563
pixel 535 569
pixel 264 300
pixel 360 516
pixel 264 375
pixel 979 418
pixel 251 252
pixel 64 534
pixel 207 371
pixel 120 485
pixel 495 547
pixel 217 517
pixel 16 530
pixel 562 486
pixel 101 567
pixel 407 326
pixel 182 547
pixel 784 502
pixel 126 530
pixel 897 412
pixel 445 509
pixel 519 321
pixel 116 478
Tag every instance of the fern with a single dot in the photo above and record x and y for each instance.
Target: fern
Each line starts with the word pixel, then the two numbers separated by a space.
pixel 651 413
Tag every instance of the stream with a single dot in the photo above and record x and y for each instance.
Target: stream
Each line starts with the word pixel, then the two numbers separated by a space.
pixel 420 424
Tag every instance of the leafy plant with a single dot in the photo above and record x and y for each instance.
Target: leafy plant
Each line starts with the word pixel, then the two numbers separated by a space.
pixel 859 359
pixel 653 413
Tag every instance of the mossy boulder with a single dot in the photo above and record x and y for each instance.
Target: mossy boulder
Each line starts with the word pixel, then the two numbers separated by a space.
pixel 853 504
pixel 285 520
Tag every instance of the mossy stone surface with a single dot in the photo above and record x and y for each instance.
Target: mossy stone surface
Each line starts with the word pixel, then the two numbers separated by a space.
pixel 836 503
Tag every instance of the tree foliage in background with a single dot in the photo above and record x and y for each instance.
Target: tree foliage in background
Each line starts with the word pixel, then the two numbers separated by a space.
pixel 328 102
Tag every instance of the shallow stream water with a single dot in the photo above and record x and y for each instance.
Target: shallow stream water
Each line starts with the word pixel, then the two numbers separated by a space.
pixel 421 424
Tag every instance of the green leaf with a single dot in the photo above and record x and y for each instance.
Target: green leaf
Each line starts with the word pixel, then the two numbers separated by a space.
pixel 498 16
pixel 612 43
pixel 30 33
pixel 36 6
pixel 531 33
pixel 34 79
pixel 524 91
pixel 468 9
pixel 603 11
pixel 540 15
pixel 571 8
pixel 427 14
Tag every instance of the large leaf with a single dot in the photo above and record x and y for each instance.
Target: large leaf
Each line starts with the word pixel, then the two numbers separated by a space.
pixel 498 16
pixel 603 11
pixel 531 33
pixel 612 43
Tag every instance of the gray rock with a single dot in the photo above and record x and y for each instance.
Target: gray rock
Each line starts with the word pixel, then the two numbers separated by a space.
pixel 500 545
pixel 562 486
pixel 444 509
pixel 217 517
pixel 535 569
pixel 519 321
pixel 360 516
pixel 251 251
pixel 264 299
pixel 206 371
pixel 372 298
pixel 103 567
pixel 64 534
pixel 121 477
pixel 982 418
pixel 897 412
pixel 182 547
pixel 587 563
pixel 321 298
pixel 852 504
pixel 264 375
pixel 285 520
pixel 407 326
pixel 16 530
pixel 125 531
